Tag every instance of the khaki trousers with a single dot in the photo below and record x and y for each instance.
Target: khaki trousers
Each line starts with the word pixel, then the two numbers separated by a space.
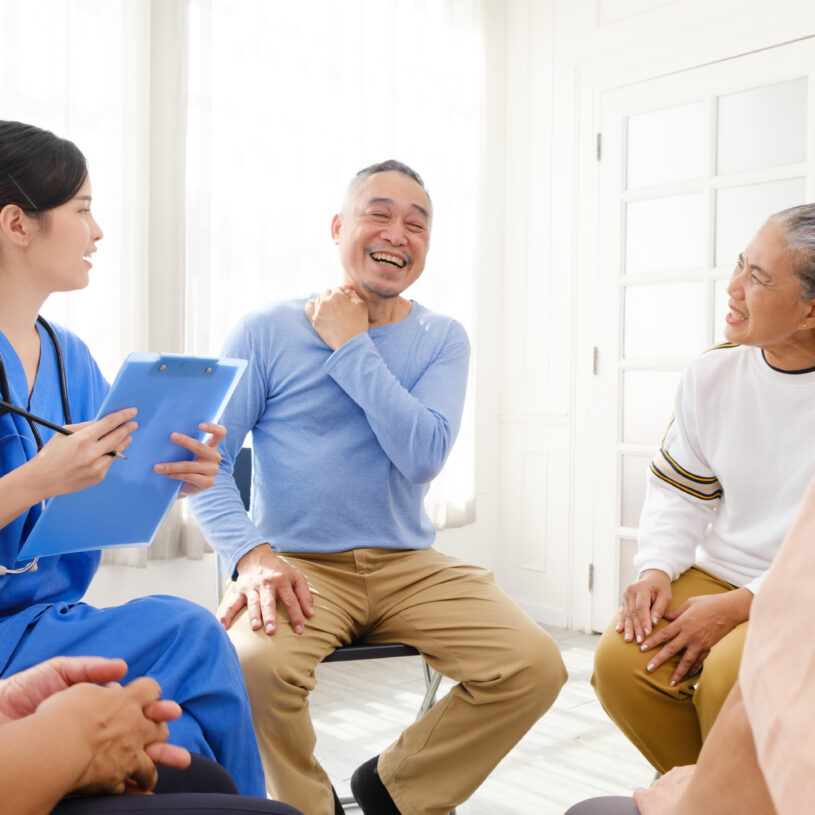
pixel 508 670
pixel 667 725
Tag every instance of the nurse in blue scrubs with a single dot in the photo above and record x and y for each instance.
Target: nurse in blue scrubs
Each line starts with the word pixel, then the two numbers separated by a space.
pixel 47 237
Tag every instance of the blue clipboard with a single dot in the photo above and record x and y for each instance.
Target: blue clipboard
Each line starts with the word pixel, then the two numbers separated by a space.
pixel 172 393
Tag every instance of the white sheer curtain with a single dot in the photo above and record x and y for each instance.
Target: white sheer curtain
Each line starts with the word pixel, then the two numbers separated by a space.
pixel 82 69
pixel 286 102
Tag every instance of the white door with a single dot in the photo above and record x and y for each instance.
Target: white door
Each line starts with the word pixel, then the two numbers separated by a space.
pixel 691 165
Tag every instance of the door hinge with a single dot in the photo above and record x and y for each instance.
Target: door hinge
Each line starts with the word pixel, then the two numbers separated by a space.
pixel 591 576
pixel 595 355
pixel 599 146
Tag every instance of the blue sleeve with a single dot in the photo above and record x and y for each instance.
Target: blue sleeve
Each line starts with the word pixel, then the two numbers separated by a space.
pixel 220 510
pixel 417 427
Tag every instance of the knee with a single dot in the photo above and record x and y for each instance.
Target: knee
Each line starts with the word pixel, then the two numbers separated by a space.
pixel 716 681
pixel 270 669
pixel 190 621
pixel 540 672
pixel 255 650
pixel 547 663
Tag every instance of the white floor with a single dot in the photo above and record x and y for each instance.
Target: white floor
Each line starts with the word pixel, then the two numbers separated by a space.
pixel 573 752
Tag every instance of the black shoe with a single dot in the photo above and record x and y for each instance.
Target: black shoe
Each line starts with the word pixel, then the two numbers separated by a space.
pixel 338 810
pixel 369 791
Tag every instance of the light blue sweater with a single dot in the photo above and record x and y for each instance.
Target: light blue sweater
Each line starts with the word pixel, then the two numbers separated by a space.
pixel 345 443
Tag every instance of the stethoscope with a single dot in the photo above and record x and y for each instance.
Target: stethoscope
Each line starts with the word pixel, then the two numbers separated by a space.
pixel 5 392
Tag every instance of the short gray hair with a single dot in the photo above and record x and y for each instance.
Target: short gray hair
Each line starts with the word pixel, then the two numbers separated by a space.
pixel 391 165
pixel 798 224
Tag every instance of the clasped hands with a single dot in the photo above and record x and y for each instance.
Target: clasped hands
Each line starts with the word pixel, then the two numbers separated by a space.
pixel 113 735
pixel 694 627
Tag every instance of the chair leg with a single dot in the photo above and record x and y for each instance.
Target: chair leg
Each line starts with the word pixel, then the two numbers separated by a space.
pixel 432 680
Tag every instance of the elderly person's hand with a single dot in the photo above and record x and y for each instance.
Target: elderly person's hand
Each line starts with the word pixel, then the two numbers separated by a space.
pixel 264 578
pixel 198 474
pixel 644 603
pixel 338 315
pixel 696 626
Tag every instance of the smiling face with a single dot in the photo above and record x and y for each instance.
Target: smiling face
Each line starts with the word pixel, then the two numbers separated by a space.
pixel 766 309
pixel 383 234
pixel 63 242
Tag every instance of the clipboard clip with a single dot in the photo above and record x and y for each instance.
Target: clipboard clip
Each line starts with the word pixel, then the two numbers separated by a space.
pixel 185 366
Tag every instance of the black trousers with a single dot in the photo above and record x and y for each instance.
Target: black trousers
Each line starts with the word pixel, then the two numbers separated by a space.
pixel 203 787
pixel 180 802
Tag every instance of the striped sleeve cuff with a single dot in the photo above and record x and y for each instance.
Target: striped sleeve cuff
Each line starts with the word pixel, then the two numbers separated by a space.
pixel 665 468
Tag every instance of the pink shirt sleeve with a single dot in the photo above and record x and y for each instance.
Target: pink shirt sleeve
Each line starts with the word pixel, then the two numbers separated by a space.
pixel 778 667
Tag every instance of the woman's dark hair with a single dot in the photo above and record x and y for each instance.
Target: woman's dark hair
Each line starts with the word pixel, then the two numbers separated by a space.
pixel 798 224
pixel 38 170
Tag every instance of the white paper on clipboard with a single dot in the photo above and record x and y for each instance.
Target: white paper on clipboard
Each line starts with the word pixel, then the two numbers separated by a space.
pixel 172 393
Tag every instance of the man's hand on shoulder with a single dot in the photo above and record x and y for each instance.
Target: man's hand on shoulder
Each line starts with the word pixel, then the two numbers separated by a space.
pixel 338 315
pixel 263 579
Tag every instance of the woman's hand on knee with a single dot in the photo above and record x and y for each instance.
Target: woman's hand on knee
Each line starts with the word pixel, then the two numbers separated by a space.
pixel 644 603
pixel 695 627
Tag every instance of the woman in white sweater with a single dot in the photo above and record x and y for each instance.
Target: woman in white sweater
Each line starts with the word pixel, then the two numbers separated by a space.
pixel 760 756
pixel 722 493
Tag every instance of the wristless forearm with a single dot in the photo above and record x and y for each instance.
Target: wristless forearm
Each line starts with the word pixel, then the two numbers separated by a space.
pixel 37 769
pixel 738 603
pixel 20 491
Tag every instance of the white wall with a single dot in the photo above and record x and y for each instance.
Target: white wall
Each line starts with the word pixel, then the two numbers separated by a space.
pixel 191 579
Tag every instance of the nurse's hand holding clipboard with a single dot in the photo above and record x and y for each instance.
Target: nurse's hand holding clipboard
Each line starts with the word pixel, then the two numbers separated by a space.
pixel 198 474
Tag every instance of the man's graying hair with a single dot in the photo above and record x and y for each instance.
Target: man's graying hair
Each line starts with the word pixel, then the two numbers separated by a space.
pixel 798 224
pixel 389 166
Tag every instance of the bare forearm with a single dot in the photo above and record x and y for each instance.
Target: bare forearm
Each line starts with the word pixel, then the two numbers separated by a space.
pixel 738 603
pixel 728 779
pixel 40 761
pixel 18 493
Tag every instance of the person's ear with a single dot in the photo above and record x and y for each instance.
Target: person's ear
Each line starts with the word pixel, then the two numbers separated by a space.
pixel 336 226
pixel 16 226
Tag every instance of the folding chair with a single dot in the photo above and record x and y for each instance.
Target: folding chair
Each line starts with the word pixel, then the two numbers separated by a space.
pixel 242 473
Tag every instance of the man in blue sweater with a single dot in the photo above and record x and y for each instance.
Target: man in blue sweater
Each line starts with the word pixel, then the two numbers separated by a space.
pixel 354 398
